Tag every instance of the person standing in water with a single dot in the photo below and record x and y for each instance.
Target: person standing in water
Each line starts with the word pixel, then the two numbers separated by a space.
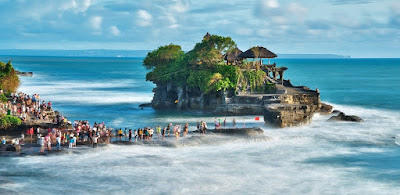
pixel 140 132
pixel 224 123
pixel 163 133
pixel 71 141
pixel 158 129
pixel 130 134
pixel 95 139
pixel 48 142
pixel 185 130
pixel 58 140
pixel 169 128
pixel 41 141
pixel 136 135
pixel 177 130
pixel 234 123
pixel 120 134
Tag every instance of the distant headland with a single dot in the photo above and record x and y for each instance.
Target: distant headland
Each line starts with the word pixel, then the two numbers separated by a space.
pixel 216 76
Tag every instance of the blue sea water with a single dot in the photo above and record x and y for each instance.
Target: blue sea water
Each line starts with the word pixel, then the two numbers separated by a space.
pixel 320 158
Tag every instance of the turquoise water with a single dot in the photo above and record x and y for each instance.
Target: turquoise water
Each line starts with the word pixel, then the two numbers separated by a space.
pixel 320 158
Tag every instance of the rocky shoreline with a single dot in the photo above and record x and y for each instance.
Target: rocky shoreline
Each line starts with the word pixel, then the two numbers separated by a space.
pixel 193 139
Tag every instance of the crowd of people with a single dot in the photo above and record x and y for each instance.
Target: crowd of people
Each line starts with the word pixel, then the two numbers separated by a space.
pixel 23 105
pixel 83 133
pixel 146 133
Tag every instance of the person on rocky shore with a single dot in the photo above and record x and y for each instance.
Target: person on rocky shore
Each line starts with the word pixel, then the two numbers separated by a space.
pixel 95 139
pixel 224 122
pixel 201 128
pixel 58 140
pixel 136 135
pixel 42 143
pixel 185 130
pixel 169 128
pixel 164 131
pixel 140 132
pixel 158 129
pixel 71 141
pixel 130 134
pixel 120 134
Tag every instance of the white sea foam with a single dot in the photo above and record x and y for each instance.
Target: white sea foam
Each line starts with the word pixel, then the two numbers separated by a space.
pixel 321 158
pixel 274 167
pixel 301 160
pixel 79 92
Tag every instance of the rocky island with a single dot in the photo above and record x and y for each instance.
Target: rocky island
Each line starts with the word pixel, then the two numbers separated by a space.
pixel 215 76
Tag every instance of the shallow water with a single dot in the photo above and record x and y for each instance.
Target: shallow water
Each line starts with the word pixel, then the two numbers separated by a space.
pixel 320 158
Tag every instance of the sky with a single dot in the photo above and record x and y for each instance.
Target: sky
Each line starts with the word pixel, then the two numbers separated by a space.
pixel 359 28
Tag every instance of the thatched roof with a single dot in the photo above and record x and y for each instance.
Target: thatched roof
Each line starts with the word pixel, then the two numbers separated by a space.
pixel 258 52
pixel 234 55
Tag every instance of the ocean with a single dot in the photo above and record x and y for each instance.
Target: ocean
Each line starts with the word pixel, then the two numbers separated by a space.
pixel 320 158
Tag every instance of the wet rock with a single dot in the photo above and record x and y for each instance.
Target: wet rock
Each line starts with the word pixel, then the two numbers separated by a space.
pixel 343 117
pixel 27 74
pixel 325 109
pixel 336 111
pixel 240 131
pixel 145 105
pixel 288 115
pixel 11 148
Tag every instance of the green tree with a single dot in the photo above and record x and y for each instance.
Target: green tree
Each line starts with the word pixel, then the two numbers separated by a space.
pixel 209 52
pixel 8 77
pixel 162 56
pixel 202 67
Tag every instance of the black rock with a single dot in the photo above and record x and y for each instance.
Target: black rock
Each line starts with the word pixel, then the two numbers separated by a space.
pixel 11 148
pixel 343 117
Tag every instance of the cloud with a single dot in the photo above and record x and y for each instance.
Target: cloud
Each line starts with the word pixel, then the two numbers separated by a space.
pixel 394 18
pixel 273 23
pixel 297 9
pixel 267 8
pixel 270 3
pixel 96 22
pixel 76 5
pixel 144 18
pixel 115 31
pixel 343 2
pixel 244 31
pixel 180 6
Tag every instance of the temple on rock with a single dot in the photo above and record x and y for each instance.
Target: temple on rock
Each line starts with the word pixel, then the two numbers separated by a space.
pixel 216 76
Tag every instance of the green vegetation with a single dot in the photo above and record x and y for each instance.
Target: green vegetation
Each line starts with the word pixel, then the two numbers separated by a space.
pixel 7 121
pixel 203 67
pixel 3 98
pixel 9 80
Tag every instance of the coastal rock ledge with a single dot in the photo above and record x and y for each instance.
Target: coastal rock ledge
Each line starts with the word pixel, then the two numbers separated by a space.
pixel 343 117
pixel 295 106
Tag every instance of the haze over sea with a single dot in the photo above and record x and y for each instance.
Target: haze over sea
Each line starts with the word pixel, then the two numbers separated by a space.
pixel 320 158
